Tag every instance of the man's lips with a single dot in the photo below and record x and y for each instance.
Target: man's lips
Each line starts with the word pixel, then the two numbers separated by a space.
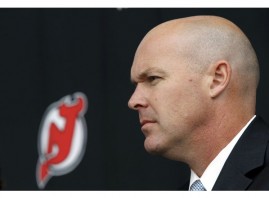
pixel 144 122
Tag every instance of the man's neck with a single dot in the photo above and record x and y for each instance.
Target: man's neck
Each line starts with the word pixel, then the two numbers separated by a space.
pixel 213 140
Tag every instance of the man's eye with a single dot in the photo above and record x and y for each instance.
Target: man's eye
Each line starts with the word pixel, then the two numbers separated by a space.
pixel 152 78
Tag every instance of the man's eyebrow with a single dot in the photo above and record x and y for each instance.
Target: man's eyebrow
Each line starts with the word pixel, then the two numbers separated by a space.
pixel 145 73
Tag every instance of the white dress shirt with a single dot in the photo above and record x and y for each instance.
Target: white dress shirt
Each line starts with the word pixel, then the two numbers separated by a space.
pixel 212 172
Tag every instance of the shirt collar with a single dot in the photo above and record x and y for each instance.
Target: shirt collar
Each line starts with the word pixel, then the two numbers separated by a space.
pixel 212 172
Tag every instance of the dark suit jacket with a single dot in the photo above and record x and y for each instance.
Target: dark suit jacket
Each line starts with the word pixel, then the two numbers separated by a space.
pixel 247 167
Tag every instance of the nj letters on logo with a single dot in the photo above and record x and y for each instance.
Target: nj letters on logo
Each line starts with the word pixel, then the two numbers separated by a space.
pixel 62 138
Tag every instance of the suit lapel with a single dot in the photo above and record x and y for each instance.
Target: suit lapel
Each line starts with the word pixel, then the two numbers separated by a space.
pixel 247 155
pixel 231 178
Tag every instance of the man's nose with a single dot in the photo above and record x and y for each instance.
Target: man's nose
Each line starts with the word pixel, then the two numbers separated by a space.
pixel 137 100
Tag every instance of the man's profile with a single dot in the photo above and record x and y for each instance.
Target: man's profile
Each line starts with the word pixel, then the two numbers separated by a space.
pixel 196 80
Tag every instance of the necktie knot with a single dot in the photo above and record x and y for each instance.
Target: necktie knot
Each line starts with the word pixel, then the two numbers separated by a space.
pixel 197 186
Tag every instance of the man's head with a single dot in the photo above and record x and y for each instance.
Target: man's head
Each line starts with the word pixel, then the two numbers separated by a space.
pixel 192 75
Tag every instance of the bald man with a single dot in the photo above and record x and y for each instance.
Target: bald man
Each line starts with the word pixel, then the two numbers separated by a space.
pixel 196 80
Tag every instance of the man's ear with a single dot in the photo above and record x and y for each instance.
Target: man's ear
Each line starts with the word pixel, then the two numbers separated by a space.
pixel 220 73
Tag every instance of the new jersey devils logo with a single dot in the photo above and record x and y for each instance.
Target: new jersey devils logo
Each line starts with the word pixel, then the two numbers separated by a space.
pixel 62 138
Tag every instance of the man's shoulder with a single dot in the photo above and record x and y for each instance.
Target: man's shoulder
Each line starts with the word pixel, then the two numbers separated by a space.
pixel 248 164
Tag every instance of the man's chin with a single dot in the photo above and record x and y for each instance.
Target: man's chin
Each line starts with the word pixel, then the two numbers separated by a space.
pixel 153 148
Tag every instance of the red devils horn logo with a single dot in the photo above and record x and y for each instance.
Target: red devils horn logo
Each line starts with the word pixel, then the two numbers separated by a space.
pixel 62 138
